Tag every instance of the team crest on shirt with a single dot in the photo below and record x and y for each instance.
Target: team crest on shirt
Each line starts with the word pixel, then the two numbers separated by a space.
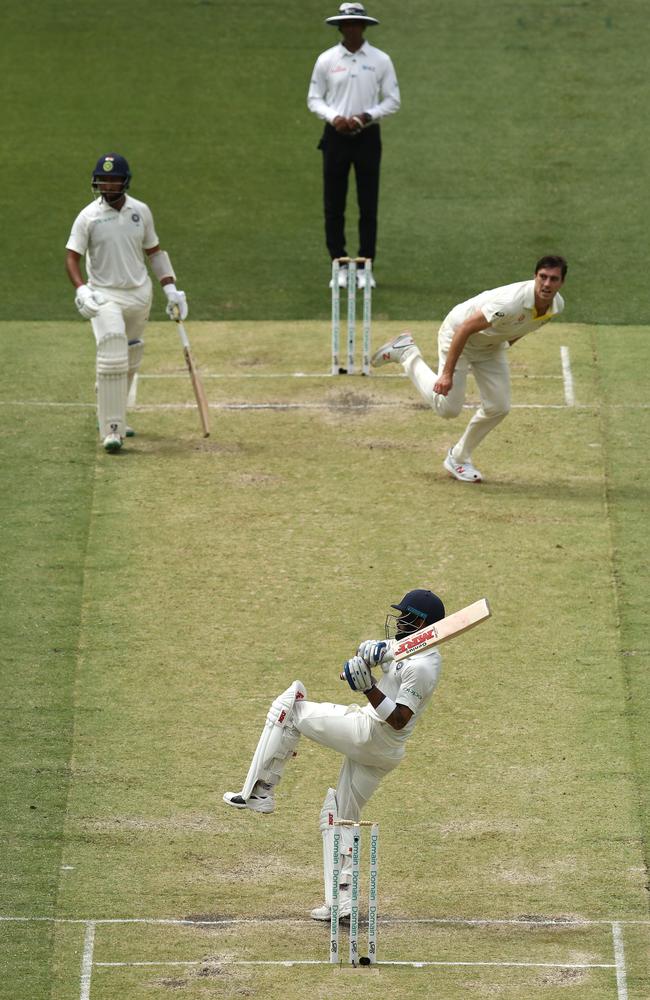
pixel 135 217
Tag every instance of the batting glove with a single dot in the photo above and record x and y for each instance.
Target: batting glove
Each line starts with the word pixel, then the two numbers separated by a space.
pixel 176 302
pixel 88 301
pixel 357 673
pixel 375 652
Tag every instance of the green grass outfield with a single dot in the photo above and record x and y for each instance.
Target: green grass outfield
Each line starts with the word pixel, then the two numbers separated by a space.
pixel 160 598
pixel 154 602
pixel 520 134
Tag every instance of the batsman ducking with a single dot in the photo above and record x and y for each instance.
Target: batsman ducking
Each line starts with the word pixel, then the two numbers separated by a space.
pixel 371 740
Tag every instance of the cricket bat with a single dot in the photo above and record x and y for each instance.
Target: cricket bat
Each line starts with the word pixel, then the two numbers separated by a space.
pixel 197 384
pixel 447 628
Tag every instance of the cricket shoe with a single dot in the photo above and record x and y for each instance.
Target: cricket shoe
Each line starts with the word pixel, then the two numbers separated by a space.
pixel 343 278
pixel 257 803
pixel 464 471
pixel 112 442
pixel 324 912
pixel 361 279
pixel 129 432
pixel 394 350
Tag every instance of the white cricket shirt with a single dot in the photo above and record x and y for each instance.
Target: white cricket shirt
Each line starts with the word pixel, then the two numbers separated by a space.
pixel 114 242
pixel 510 311
pixel 410 682
pixel 352 83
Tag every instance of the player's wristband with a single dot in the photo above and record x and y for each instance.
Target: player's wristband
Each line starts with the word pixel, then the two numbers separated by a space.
pixel 385 708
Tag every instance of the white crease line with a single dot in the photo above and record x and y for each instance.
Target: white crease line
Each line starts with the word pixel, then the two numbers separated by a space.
pixel 182 374
pixel 619 955
pixel 370 404
pixel 87 961
pixel 567 375
pixel 260 921
pixel 317 961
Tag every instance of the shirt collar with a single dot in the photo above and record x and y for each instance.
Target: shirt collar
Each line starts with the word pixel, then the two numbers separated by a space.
pixel 105 207
pixel 346 52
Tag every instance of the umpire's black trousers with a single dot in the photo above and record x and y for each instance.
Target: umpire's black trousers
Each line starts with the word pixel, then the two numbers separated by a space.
pixel 340 152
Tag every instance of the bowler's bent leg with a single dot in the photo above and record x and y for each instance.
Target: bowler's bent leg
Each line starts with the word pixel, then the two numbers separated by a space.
pixel 493 380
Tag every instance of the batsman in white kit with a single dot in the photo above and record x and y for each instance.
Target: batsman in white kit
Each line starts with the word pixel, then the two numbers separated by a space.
pixel 116 234
pixel 372 739
pixel 475 336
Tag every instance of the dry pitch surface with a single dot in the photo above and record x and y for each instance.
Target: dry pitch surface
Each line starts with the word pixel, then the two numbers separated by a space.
pixel 213 572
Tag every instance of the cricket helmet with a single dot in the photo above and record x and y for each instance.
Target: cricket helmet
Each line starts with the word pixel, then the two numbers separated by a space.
pixel 351 12
pixel 109 166
pixel 417 609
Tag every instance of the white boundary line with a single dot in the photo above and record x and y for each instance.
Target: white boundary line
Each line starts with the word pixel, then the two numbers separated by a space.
pixel 567 375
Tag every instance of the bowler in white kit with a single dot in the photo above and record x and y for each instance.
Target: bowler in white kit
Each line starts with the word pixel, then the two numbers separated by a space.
pixel 475 337
pixel 372 739
pixel 116 235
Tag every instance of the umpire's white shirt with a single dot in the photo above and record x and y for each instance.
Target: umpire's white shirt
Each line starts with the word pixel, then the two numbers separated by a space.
pixel 114 243
pixel 410 682
pixel 352 83
pixel 510 311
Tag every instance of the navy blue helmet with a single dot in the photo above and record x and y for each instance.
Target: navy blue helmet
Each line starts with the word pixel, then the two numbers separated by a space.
pixel 417 609
pixel 110 166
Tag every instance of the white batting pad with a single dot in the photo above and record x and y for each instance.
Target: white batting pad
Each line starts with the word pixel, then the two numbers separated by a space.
pixel 277 743
pixel 112 376
pixel 136 351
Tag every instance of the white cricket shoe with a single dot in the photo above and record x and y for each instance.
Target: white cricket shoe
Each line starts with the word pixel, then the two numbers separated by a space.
pixel 258 803
pixel 129 432
pixel 464 471
pixel 361 279
pixel 394 350
pixel 112 442
pixel 324 912
pixel 343 277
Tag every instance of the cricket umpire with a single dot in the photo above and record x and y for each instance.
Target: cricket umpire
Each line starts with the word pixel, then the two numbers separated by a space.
pixel 353 86
pixel 372 740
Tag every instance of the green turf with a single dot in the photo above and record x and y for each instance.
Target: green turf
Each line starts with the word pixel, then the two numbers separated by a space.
pixel 519 135
pixel 131 690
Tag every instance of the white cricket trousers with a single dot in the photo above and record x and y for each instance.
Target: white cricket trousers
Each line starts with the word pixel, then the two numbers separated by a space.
pixel 125 313
pixel 491 372
pixel 368 751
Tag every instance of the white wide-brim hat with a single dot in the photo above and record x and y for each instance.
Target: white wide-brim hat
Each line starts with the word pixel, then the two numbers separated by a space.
pixel 351 12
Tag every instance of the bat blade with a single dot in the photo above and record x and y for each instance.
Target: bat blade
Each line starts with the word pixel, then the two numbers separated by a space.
pixel 199 392
pixel 197 384
pixel 448 628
